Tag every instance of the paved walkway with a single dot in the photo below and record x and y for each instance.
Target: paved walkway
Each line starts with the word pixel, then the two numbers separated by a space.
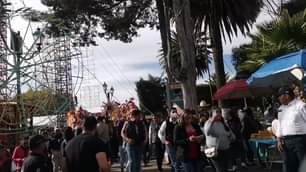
pixel 151 167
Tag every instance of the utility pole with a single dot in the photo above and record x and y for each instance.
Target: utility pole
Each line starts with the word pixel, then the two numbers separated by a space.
pixel 16 46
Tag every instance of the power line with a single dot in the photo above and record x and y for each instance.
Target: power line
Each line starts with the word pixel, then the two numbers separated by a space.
pixel 101 83
pixel 119 83
pixel 116 65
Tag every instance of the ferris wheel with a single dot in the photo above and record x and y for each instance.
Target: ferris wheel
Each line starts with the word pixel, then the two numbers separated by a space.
pixel 40 74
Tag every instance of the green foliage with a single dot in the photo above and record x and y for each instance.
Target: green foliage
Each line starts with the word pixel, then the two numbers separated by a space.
pixel 110 19
pixel 294 6
pixel 224 18
pixel 45 102
pixel 282 36
pixel 202 54
pixel 213 79
pixel 231 16
pixel 151 94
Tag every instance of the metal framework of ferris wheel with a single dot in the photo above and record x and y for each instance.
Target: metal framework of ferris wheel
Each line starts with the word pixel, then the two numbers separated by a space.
pixel 3 53
pixel 50 63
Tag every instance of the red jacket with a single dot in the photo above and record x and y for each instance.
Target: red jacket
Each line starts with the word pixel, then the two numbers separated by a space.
pixel 20 153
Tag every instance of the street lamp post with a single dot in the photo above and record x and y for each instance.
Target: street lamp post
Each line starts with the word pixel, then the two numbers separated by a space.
pixel 109 93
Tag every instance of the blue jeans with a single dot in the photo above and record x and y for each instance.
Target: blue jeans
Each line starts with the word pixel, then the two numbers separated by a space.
pixel 172 154
pixel 123 157
pixel 192 166
pixel 134 153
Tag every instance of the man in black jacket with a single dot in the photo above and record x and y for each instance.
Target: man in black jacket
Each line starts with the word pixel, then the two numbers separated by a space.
pixel 38 160
pixel 86 152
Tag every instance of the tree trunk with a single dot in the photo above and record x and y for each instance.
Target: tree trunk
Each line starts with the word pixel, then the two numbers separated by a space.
pixel 217 49
pixel 162 25
pixel 164 28
pixel 165 33
pixel 184 28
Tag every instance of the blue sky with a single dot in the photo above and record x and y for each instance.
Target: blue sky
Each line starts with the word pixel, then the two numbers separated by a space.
pixel 120 64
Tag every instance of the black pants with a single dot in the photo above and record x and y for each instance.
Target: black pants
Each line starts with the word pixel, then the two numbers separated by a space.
pixel 294 152
pixel 146 154
pixel 159 149
pixel 237 151
pixel 220 163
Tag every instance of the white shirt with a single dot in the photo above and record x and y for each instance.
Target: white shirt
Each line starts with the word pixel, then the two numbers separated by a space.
pixel 275 127
pixel 162 132
pixel 292 118
pixel 153 132
pixel 217 136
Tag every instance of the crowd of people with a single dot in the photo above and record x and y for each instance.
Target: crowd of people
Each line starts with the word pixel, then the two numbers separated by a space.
pixel 189 140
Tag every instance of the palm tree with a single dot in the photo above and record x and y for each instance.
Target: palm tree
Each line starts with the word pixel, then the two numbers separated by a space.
pixel 202 55
pixel 282 36
pixel 202 61
pixel 213 79
pixel 221 18
pixel 294 6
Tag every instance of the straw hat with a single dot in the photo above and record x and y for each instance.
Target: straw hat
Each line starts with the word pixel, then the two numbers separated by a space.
pixel 204 104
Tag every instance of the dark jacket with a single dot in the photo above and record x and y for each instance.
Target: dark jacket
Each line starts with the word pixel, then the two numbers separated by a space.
pixel 169 131
pixel 181 140
pixel 250 126
pixel 136 131
pixel 35 163
pixel 236 127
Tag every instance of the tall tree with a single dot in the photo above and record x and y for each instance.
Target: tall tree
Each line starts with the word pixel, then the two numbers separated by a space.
pixel 164 12
pixel 151 94
pixel 221 18
pixel 184 26
pixel 109 19
pixel 213 79
pixel 279 37
pixel 45 102
pixel 202 55
pixel 120 19
pixel 294 6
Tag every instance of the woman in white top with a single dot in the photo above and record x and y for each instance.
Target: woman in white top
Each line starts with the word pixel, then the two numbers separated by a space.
pixel 219 135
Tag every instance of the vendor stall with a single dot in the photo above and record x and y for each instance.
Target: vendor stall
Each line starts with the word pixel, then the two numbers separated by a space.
pixel 280 71
pixel 264 146
pixel 240 89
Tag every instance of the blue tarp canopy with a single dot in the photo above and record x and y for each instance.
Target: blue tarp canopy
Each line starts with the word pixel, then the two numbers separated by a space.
pixel 280 71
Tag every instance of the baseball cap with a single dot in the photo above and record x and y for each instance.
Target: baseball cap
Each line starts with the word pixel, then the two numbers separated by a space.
pixel 36 140
pixel 285 90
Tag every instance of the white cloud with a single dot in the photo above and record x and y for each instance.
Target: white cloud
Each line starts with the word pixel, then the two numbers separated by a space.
pixel 121 64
